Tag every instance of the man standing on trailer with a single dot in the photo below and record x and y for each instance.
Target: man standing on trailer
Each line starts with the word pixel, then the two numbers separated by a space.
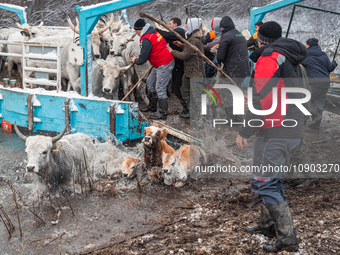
pixel 153 48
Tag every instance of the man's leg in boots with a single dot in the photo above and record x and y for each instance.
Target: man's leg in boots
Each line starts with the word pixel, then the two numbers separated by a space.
pixel 319 100
pixel 152 95
pixel 163 76
pixel 185 91
pixel 271 193
pixel 285 233
pixel 266 225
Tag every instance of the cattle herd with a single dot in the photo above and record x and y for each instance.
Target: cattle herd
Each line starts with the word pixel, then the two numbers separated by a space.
pixel 62 160
pixel 113 43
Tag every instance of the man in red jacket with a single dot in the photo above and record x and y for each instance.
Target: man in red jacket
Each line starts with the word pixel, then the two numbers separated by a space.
pixel 153 48
pixel 277 67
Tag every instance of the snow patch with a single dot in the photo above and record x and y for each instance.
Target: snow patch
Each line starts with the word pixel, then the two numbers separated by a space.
pixel 72 105
pixel 98 5
pixel 35 101
pixel 36 120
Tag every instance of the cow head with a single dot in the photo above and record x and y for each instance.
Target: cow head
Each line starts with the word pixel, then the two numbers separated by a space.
pixel 116 26
pixel 30 31
pixel 119 43
pixel 153 136
pixel 130 166
pixel 111 75
pixel 97 34
pixel 170 161
pixel 39 149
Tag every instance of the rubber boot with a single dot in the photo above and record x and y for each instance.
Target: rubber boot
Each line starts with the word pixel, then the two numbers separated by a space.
pixel 285 234
pixel 308 182
pixel 316 125
pixel 163 110
pixel 316 121
pixel 266 225
pixel 185 109
pixel 186 114
pixel 152 107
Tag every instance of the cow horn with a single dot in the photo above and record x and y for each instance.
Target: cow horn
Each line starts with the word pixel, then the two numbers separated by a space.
pixel 100 24
pixel 131 37
pixel 19 26
pixel 100 65
pixel 69 21
pixel 41 24
pixel 123 69
pixel 117 25
pixel 77 21
pixel 102 30
pixel 58 137
pixel 24 138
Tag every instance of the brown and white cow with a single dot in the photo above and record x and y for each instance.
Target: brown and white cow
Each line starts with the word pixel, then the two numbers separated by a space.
pixel 176 166
pixel 154 145
pixel 132 167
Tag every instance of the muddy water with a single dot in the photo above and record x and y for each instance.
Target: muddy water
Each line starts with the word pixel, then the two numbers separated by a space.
pixel 11 153
pixel 98 219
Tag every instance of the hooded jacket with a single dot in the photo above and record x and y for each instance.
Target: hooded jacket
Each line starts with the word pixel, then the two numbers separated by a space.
pixel 216 30
pixel 318 67
pixel 253 42
pixel 233 51
pixel 193 62
pixel 278 67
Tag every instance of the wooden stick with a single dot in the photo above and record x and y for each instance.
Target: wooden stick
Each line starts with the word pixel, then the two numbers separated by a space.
pixel 231 227
pixel 7 227
pixel 88 173
pixel 143 15
pixel 55 239
pixel 137 83
pixel 36 215
pixel 325 140
pixel 16 206
pixel 69 204
pixel 9 222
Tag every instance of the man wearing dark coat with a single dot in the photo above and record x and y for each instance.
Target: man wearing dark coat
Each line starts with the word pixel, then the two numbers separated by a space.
pixel 233 50
pixel 318 67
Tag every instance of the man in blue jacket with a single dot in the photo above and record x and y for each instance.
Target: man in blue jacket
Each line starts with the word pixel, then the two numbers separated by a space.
pixel 318 67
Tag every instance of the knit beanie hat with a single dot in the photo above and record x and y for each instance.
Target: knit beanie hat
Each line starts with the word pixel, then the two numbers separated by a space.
pixel 139 24
pixel 312 42
pixel 269 32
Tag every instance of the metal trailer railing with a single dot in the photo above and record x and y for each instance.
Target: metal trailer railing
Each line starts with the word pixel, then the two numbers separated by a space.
pixel 40 52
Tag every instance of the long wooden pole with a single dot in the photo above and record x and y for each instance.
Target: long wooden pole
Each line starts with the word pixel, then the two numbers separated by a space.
pixel 143 15
pixel 137 83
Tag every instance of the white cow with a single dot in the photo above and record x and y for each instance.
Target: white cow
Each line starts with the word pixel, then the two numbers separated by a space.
pixel 115 72
pixel 27 32
pixel 68 71
pixel 60 159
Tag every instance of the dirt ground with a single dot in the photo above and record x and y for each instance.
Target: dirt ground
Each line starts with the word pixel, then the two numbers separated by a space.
pixel 214 221
pixel 213 218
